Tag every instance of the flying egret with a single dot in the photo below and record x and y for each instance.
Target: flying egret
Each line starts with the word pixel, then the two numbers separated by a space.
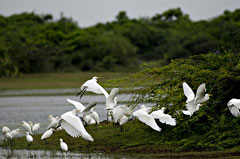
pixel 29 138
pixel 163 118
pixel 63 146
pixel 144 116
pixel 27 126
pixel 92 86
pixel 47 134
pixel 87 113
pixel 34 127
pixel 234 106
pixel 53 121
pixel 73 125
pixel 194 102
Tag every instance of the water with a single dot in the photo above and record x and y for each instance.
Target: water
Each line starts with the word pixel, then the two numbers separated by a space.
pixel 15 109
pixel 40 154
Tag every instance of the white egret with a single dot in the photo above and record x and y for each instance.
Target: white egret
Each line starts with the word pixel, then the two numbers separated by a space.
pixel 120 115
pixel 92 86
pixel 5 130
pixel 47 134
pixel 111 102
pixel 144 116
pixel 27 126
pixel 87 113
pixel 73 125
pixel 8 137
pixel 29 138
pixel 53 121
pixel 163 118
pixel 15 132
pixel 234 106
pixel 63 146
pixel 34 127
pixel 194 102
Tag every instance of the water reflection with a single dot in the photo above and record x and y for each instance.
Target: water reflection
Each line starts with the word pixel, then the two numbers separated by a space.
pixel 39 154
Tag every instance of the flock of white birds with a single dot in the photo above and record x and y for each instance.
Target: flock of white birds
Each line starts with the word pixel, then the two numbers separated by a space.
pixel 73 121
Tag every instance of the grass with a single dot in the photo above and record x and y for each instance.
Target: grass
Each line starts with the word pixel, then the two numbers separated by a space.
pixel 57 80
pixel 137 140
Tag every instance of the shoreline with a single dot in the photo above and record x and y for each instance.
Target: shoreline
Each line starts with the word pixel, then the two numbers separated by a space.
pixel 136 140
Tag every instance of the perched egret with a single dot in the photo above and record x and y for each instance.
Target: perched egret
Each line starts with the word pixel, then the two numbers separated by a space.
pixel 8 137
pixel 34 127
pixel 163 118
pixel 73 125
pixel 15 132
pixel 29 138
pixel 5 130
pixel 234 106
pixel 144 116
pixel 92 86
pixel 27 126
pixel 47 134
pixel 120 115
pixel 111 102
pixel 194 102
pixel 63 145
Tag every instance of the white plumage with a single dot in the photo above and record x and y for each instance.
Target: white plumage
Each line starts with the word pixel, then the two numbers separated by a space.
pixel 15 132
pixel 163 118
pixel 92 86
pixel 5 129
pixel 53 121
pixel 234 106
pixel 47 133
pixel 193 102
pixel 63 145
pixel 87 113
pixel 29 138
pixel 143 115
pixel 34 127
pixel 73 125
pixel 27 126
pixel 120 111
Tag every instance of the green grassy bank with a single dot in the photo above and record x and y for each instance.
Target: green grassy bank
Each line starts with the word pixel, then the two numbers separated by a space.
pixel 57 80
pixel 137 139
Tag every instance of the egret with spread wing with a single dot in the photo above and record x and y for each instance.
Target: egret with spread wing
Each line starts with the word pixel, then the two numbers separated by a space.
pixel 194 102
pixel 92 86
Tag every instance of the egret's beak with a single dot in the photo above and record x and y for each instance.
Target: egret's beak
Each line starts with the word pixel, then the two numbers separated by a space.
pixel 210 94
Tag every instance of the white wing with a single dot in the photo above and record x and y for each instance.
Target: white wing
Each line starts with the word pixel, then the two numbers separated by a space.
pixel 93 86
pixel 123 120
pixel 46 134
pixel 188 92
pixel 36 127
pixel 120 111
pixel 77 105
pixel 73 126
pixel 163 118
pixel 201 91
pixel 146 118
pixel 95 116
pixel 235 102
pixel 27 126
pixel 111 99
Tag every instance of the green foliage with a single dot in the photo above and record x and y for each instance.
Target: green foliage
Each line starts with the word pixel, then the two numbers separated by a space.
pixel 212 127
pixel 32 43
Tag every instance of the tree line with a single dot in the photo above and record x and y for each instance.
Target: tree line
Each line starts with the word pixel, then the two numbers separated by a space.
pixel 32 43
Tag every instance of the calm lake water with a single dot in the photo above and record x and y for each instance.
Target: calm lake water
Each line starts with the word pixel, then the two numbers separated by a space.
pixel 15 109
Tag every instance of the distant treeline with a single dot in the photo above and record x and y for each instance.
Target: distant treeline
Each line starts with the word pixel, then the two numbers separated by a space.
pixel 31 43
